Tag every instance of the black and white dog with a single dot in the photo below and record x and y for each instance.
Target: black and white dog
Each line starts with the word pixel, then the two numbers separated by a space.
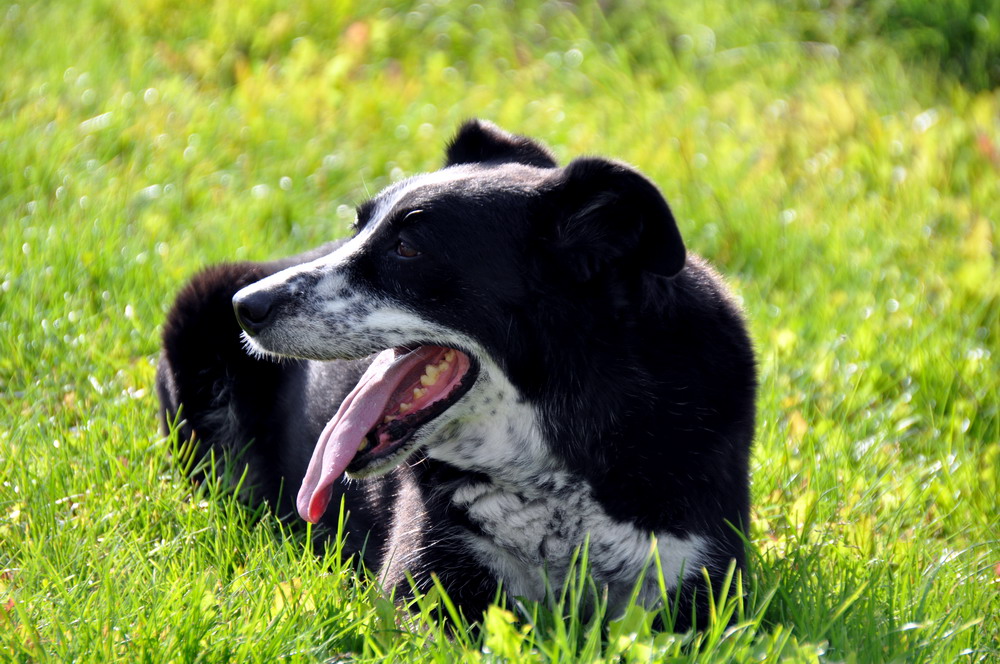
pixel 507 360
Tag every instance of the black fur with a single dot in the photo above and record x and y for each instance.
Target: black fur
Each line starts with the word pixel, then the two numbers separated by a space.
pixel 480 142
pixel 574 282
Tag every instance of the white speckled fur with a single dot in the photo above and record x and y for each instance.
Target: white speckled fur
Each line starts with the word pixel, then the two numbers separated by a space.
pixel 534 513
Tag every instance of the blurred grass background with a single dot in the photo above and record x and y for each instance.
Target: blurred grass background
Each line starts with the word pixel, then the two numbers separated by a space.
pixel 838 161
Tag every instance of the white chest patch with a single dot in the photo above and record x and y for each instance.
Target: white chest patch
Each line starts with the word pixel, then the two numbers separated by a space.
pixel 533 514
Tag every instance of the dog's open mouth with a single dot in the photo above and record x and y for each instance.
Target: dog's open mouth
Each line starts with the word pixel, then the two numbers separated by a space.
pixel 402 390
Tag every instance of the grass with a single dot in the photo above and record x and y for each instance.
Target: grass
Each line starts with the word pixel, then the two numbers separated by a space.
pixel 849 194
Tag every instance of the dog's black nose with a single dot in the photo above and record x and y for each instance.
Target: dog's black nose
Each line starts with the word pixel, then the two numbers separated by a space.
pixel 253 311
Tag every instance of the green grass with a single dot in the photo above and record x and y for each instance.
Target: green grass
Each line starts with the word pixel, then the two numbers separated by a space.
pixel 849 193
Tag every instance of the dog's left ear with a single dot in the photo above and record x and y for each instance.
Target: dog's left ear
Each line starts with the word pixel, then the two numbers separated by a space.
pixel 606 212
pixel 479 141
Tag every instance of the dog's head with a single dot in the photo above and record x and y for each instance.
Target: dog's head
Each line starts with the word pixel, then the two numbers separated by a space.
pixel 448 277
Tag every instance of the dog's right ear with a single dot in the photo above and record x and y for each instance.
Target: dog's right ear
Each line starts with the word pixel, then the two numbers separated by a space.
pixel 479 141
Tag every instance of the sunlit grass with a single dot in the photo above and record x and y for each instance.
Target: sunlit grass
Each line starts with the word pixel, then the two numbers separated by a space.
pixel 851 200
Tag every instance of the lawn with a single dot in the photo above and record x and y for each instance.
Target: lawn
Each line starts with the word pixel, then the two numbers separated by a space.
pixel 839 163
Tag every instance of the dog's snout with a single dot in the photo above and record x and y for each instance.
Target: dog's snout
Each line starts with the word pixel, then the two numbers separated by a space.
pixel 253 310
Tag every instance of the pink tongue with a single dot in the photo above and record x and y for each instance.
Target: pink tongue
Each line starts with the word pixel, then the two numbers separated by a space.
pixel 360 412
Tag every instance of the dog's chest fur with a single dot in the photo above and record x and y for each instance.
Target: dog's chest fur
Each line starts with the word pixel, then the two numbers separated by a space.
pixel 531 516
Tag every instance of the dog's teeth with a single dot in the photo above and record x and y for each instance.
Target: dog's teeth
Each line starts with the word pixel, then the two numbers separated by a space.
pixel 449 356
pixel 419 392
pixel 430 375
pixel 444 366
pixel 388 418
pixel 403 407
pixel 363 445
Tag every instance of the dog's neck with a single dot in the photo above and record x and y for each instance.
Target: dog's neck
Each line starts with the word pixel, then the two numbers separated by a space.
pixel 497 434
pixel 532 512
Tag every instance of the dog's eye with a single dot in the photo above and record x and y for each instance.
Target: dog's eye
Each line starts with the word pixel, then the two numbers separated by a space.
pixel 405 250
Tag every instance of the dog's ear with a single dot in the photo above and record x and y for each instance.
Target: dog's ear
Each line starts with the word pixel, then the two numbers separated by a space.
pixel 606 212
pixel 479 141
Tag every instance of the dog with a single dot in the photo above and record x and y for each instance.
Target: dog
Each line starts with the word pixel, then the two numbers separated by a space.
pixel 507 361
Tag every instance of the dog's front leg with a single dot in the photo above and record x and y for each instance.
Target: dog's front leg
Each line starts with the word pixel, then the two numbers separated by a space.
pixel 427 541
